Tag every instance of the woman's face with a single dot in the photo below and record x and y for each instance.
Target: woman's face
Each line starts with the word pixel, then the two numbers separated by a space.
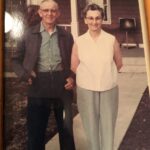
pixel 93 20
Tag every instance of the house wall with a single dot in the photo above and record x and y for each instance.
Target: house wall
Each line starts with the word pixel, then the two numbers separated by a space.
pixel 126 9
pixel 120 9
pixel 65 17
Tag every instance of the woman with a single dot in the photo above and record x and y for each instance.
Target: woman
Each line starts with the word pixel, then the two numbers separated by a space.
pixel 96 59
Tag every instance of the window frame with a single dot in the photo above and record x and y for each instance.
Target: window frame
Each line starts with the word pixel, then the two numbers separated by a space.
pixel 108 10
pixel 106 5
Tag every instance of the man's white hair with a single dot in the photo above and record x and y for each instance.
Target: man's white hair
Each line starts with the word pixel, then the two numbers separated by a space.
pixel 53 1
pixel 48 1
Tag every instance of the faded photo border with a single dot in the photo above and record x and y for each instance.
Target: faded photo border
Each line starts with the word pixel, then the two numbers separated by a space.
pixel 145 20
pixel 145 24
pixel 1 71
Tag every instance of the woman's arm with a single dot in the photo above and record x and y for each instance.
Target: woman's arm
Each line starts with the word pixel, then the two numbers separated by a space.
pixel 74 58
pixel 117 55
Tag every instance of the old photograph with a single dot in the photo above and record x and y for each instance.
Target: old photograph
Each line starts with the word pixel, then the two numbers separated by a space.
pixel 75 75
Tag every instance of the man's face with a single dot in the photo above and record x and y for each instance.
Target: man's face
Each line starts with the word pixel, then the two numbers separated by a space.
pixel 93 20
pixel 49 12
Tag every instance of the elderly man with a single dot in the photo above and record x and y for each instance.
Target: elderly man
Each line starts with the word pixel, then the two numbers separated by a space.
pixel 43 60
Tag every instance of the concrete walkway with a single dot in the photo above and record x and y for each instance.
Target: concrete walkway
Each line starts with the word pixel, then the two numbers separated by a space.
pixel 132 83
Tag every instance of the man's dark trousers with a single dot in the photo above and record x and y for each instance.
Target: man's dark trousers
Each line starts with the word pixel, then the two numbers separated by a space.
pixel 38 112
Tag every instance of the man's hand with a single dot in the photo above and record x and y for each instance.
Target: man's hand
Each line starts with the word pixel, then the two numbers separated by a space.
pixel 70 84
pixel 33 75
pixel 29 81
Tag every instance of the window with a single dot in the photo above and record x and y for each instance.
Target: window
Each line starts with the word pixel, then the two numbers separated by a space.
pixel 105 4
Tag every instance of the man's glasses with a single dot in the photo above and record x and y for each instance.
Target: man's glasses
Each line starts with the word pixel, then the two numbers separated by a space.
pixel 92 19
pixel 49 10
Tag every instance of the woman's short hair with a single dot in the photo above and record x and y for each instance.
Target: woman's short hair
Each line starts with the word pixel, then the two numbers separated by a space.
pixel 93 6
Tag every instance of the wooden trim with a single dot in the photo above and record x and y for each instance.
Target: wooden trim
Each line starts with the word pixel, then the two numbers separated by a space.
pixel 147 6
pixel 145 24
pixel 1 72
